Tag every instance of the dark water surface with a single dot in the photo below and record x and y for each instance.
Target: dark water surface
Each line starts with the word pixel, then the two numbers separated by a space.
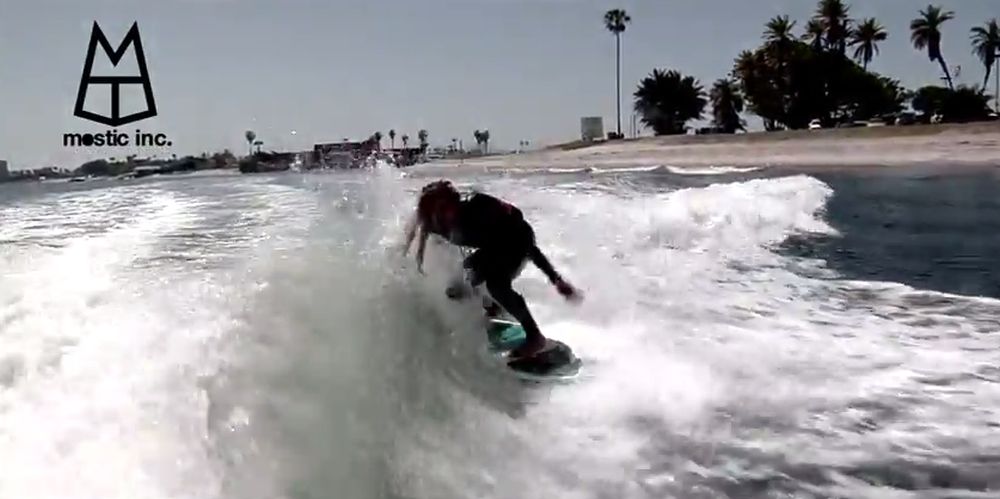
pixel 937 232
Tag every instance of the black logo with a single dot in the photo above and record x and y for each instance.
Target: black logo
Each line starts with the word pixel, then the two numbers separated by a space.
pixel 88 80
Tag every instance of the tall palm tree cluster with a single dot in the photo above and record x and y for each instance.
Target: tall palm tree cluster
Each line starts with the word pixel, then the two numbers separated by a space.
pixel 252 141
pixel 376 138
pixel 792 79
pixel 482 140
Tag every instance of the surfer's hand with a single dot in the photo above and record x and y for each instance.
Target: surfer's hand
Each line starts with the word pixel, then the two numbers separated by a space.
pixel 568 291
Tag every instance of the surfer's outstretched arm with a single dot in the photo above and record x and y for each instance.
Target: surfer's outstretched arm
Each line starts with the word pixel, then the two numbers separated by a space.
pixel 420 248
pixel 543 264
pixel 411 232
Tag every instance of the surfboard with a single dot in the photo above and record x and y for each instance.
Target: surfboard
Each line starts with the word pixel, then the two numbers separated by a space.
pixel 504 335
pixel 556 361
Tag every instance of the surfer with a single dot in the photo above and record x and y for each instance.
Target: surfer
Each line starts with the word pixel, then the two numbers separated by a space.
pixel 503 242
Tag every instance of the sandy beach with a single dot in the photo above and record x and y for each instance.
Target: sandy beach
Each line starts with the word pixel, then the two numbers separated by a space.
pixel 969 145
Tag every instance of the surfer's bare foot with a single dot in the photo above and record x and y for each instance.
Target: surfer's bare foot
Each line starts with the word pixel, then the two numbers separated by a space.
pixel 531 347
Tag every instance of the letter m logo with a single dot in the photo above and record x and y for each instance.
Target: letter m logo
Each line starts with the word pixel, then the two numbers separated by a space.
pixel 88 80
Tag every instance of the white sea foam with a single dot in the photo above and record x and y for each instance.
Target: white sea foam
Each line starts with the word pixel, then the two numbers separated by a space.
pixel 713 170
pixel 690 314
pixel 289 350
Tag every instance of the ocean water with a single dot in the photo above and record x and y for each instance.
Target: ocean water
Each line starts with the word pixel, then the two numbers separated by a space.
pixel 745 334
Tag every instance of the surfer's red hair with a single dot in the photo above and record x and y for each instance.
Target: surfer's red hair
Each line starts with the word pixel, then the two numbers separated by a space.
pixel 434 193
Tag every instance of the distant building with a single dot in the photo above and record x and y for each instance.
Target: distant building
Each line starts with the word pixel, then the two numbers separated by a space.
pixel 284 157
pixel 4 172
pixel 591 128
pixel 343 154
pixel 406 156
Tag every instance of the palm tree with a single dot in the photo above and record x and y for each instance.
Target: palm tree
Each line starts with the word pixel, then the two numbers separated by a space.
pixel 926 33
pixel 250 135
pixel 406 139
pixel 833 16
pixel 779 30
pixel 727 104
pixel 482 140
pixel 814 34
pixel 986 46
pixel 615 21
pixel 756 77
pixel 778 33
pixel 422 137
pixel 668 100
pixel 392 138
pixel 866 37
pixel 744 62
pixel 378 140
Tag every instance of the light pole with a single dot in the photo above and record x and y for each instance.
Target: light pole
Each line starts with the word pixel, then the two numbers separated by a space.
pixel 996 74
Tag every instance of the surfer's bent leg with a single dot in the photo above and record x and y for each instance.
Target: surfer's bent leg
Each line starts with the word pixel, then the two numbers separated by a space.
pixel 462 286
pixel 512 301
pixel 483 265
pixel 498 267
pixel 504 268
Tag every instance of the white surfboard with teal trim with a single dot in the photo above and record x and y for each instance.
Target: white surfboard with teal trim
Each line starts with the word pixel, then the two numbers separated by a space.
pixel 556 361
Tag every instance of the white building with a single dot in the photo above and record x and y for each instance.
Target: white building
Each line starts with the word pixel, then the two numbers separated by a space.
pixel 591 128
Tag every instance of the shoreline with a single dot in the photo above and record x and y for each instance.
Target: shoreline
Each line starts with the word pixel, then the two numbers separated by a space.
pixel 871 133
pixel 969 145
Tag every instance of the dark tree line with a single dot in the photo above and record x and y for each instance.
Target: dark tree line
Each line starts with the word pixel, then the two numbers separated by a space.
pixel 820 74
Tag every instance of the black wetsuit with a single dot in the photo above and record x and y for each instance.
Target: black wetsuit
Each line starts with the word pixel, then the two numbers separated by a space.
pixel 502 238
pixel 504 241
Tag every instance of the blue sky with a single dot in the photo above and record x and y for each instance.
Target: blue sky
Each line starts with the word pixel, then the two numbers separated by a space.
pixel 524 69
